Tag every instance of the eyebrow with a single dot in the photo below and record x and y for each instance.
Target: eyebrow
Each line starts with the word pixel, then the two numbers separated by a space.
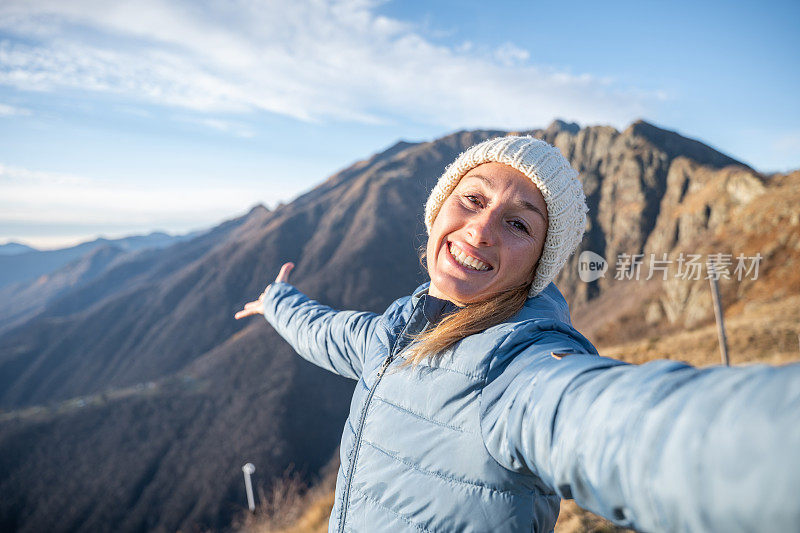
pixel 524 204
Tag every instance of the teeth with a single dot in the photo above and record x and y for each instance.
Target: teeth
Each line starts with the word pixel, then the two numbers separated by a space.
pixel 465 260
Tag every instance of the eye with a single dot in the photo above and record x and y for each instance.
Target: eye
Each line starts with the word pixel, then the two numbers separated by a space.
pixel 471 198
pixel 519 226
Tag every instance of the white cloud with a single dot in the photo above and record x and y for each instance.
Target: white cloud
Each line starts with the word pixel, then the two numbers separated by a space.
pixel 226 126
pixel 10 110
pixel 62 241
pixel 36 197
pixel 314 60
pixel 15 176
pixel 510 55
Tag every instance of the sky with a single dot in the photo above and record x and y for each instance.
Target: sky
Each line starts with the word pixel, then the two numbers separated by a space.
pixel 121 118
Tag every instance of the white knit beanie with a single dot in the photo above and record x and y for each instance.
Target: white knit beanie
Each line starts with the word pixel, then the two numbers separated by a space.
pixel 550 172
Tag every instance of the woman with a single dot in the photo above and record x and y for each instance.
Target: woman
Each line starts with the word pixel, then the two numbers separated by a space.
pixel 479 406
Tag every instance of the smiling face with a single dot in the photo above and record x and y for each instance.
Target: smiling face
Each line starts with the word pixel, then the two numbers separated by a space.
pixel 487 236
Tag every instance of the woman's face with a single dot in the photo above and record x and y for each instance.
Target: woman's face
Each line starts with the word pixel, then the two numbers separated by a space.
pixel 488 235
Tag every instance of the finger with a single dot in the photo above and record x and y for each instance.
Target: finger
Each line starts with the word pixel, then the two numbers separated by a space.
pixel 258 305
pixel 245 312
pixel 263 294
pixel 283 275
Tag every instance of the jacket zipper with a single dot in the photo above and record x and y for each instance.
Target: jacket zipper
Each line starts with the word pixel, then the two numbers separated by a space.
pixel 351 469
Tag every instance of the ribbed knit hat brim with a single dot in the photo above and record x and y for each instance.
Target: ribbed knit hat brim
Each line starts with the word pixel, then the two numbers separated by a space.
pixel 550 172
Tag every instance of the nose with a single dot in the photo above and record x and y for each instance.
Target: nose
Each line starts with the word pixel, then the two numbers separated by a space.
pixel 481 229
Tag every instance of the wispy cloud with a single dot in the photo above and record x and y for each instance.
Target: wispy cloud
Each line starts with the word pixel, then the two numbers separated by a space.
pixel 37 197
pixel 15 176
pixel 314 61
pixel 226 126
pixel 10 110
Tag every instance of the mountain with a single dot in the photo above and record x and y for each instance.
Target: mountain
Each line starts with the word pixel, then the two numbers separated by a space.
pixel 20 263
pixel 131 397
pixel 14 248
pixel 22 300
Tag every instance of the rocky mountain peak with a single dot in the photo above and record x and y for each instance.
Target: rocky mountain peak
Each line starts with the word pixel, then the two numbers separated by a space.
pixel 674 144
pixel 558 126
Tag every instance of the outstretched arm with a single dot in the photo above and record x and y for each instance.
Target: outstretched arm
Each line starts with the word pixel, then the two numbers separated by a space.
pixel 335 340
pixel 661 446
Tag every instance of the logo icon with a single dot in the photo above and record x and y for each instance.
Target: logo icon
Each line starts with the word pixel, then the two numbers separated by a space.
pixel 591 266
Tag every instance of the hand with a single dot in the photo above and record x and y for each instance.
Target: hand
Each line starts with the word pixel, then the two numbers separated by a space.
pixel 257 307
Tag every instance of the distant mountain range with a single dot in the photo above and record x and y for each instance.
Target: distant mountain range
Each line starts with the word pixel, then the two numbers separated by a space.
pixel 131 397
pixel 14 248
pixel 19 262
pixel 30 279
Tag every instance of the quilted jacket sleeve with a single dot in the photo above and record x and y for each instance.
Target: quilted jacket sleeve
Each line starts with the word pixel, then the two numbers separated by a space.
pixel 335 340
pixel 662 446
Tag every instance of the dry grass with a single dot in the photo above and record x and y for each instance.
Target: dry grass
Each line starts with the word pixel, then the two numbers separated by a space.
pixel 574 519
pixel 762 332
pixel 292 507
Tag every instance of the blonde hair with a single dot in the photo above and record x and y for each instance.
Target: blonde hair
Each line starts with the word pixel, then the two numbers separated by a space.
pixel 469 320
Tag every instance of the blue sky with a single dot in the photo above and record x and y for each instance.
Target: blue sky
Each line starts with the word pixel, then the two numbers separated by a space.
pixel 126 117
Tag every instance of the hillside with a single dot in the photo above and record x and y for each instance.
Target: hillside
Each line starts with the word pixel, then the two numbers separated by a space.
pixel 131 397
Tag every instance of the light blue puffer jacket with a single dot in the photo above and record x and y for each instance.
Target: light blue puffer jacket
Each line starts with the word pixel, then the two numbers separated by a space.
pixel 491 435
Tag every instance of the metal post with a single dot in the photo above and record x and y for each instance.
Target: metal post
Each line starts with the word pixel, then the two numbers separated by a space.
pixel 249 469
pixel 723 340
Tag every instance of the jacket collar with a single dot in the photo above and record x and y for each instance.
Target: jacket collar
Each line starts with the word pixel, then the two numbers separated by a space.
pixel 548 304
pixel 418 292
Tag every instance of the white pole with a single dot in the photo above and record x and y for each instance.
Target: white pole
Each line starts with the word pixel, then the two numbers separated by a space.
pixel 718 314
pixel 249 469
